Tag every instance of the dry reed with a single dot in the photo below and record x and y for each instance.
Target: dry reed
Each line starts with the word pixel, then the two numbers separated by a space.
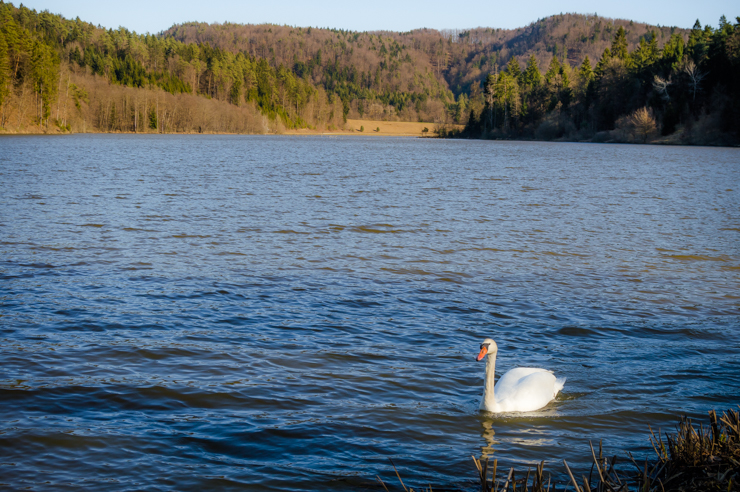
pixel 691 460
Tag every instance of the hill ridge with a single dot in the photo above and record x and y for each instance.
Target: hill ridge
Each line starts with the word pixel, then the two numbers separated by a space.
pixel 267 77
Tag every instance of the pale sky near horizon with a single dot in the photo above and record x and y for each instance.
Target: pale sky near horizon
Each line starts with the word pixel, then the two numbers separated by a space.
pixel 394 15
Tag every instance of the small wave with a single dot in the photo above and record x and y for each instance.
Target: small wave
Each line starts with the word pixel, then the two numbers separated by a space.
pixel 359 303
pixel 406 271
pixel 460 310
pixel 377 229
pixel 577 331
pixel 698 258
pixel 500 315
pixel 565 253
pixel 38 265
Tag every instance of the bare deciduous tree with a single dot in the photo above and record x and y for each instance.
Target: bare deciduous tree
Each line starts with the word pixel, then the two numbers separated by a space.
pixel 695 75
pixel 643 123
pixel 661 86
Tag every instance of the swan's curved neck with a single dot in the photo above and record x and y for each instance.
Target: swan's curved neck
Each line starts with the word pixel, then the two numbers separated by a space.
pixel 488 397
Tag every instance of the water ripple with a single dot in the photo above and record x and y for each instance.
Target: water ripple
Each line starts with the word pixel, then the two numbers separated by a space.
pixel 281 313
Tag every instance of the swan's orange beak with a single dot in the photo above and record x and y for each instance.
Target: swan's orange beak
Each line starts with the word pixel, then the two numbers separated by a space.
pixel 483 352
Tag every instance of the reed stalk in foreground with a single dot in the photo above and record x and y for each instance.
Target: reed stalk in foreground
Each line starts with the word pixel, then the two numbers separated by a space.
pixel 692 460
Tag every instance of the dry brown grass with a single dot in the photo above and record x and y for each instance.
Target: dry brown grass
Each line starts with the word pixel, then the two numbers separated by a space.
pixel 378 128
pixel 396 128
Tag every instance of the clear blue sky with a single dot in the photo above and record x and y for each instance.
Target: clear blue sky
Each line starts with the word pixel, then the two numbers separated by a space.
pixel 366 15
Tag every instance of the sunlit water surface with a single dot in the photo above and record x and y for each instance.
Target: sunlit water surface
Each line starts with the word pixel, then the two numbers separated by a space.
pixel 285 313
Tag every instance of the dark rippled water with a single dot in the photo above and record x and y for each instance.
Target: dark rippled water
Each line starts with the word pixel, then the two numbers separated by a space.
pixel 277 313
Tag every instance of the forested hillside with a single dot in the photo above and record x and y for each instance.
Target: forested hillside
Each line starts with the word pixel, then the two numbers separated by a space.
pixel 564 77
pixel 422 74
pixel 681 91
pixel 569 76
pixel 71 75
pixel 376 75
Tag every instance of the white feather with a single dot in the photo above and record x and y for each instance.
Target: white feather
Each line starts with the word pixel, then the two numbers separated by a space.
pixel 523 389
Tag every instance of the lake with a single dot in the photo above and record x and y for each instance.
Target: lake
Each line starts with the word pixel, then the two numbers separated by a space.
pixel 287 313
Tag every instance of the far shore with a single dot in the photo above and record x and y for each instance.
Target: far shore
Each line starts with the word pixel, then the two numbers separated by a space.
pixel 371 128
pixel 360 128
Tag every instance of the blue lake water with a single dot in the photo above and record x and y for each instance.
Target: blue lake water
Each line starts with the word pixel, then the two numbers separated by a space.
pixel 286 313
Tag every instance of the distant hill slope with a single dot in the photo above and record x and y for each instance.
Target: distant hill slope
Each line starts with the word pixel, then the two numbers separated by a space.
pixel 567 76
pixel 563 77
pixel 376 74
pixel 570 37
pixel 456 58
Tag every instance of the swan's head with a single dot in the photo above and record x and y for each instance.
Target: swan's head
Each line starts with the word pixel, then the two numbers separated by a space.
pixel 487 347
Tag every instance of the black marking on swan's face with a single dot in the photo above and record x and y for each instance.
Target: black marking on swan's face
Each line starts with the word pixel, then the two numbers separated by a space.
pixel 484 349
pixel 487 347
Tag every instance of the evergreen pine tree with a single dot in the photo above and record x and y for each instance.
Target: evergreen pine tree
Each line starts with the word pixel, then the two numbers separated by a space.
pixel 565 74
pixel 460 107
pixel 532 75
pixel 619 45
pixel 601 65
pixel 153 118
pixel 14 41
pixel 513 68
pixel 672 53
pixel 697 45
pixel 552 70
pixel 45 74
pixel 585 73
pixel 4 77
pixel 566 93
pixel 653 49
pixel 235 94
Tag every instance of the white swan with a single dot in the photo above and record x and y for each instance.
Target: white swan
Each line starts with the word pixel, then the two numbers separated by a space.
pixel 523 389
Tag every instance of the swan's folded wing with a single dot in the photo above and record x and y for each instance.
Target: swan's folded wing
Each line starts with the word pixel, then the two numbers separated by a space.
pixel 524 389
pixel 512 377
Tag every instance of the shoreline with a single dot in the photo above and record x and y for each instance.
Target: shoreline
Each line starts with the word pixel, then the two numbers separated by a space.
pixel 314 133
pixel 389 129
pixel 359 128
pixel 286 134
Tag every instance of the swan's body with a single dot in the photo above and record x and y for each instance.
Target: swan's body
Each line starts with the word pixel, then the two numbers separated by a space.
pixel 523 389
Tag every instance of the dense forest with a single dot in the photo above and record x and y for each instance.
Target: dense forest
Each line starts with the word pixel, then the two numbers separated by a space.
pixel 685 91
pixel 572 77
pixel 69 75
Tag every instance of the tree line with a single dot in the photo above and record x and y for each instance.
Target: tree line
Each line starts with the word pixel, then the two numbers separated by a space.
pixel 420 75
pixel 684 89
pixel 600 78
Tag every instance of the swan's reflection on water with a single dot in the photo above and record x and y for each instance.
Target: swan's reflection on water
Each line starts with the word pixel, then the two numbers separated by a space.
pixel 488 435
pixel 512 433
